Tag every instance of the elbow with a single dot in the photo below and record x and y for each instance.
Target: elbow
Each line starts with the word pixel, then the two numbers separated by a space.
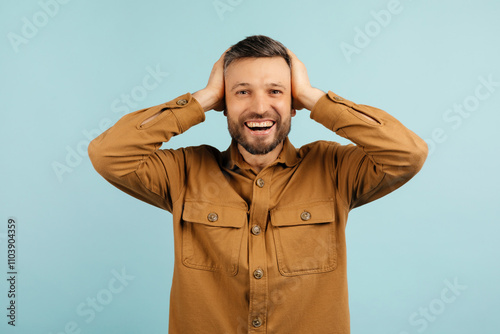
pixel 109 161
pixel 98 159
pixel 418 156
pixel 95 155
pixel 422 153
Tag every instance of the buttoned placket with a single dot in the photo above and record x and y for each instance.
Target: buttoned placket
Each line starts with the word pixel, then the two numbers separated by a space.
pixel 259 209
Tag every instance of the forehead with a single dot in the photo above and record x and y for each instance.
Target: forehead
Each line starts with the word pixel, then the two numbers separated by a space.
pixel 258 71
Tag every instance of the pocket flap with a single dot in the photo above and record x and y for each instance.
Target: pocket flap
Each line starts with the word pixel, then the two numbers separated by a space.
pixel 214 214
pixel 315 212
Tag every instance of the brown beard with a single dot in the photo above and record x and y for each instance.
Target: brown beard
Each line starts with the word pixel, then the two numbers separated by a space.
pixel 236 129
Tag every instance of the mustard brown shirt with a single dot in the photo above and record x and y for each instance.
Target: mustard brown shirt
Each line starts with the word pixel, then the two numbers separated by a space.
pixel 259 252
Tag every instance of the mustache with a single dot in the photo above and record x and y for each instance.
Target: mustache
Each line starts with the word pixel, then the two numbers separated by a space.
pixel 267 115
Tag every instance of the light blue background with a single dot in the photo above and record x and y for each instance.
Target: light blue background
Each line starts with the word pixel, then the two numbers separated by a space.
pixel 76 229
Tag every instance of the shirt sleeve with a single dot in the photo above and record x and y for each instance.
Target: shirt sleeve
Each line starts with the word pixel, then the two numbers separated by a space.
pixel 128 154
pixel 385 156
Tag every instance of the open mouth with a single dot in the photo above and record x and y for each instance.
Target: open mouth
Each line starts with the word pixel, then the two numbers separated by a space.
pixel 261 126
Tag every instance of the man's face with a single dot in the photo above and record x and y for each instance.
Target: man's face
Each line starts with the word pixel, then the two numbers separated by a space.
pixel 259 103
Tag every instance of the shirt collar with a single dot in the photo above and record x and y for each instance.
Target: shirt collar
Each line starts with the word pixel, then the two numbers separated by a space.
pixel 232 157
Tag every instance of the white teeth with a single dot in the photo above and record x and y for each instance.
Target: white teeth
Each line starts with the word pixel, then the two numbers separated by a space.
pixel 264 124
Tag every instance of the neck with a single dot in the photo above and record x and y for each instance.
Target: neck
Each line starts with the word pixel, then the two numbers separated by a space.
pixel 260 161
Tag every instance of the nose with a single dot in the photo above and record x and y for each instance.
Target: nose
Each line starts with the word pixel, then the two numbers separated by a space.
pixel 260 103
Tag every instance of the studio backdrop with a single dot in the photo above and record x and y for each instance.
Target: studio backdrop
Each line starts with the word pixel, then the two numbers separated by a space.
pixel 80 256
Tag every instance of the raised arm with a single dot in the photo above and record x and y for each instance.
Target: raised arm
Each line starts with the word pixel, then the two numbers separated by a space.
pixel 386 154
pixel 128 154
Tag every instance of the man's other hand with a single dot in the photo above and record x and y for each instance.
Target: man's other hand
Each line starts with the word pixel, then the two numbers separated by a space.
pixel 212 96
pixel 303 94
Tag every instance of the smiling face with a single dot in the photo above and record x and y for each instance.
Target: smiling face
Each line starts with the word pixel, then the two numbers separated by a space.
pixel 259 103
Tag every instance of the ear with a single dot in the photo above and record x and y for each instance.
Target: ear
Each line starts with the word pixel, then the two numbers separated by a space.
pixel 224 112
pixel 293 112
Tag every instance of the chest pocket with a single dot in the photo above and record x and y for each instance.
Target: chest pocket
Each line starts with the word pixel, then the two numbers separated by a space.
pixel 305 238
pixel 212 235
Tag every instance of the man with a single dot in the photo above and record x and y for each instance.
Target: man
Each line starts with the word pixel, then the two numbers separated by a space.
pixel 259 229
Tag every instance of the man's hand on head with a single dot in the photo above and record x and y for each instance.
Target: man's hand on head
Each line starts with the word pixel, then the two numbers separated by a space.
pixel 303 94
pixel 212 96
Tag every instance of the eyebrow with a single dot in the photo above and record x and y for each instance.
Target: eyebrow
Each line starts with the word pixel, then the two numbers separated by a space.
pixel 246 84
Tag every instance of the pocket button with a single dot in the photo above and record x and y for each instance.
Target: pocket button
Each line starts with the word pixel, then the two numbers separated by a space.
pixel 212 217
pixel 305 215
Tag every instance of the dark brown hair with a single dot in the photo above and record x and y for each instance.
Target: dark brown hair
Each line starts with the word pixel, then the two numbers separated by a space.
pixel 256 46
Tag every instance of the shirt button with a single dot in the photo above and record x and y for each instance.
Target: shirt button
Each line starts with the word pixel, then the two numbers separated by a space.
pixel 257 322
pixel 338 98
pixel 212 217
pixel 305 215
pixel 258 274
pixel 260 183
pixel 256 230
pixel 182 102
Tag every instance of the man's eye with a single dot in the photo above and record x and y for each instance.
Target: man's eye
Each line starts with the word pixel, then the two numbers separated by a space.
pixel 275 91
pixel 242 92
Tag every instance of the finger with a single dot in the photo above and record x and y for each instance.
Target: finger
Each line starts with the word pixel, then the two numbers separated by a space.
pixel 292 55
pixel 224 54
